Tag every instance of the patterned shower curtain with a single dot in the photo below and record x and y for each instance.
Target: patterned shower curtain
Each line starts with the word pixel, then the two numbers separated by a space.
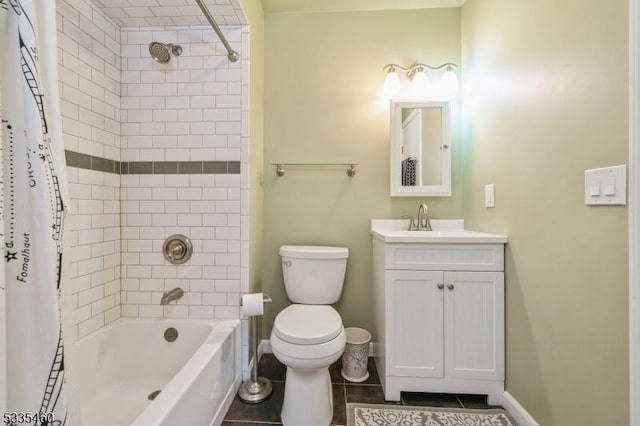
pixel 34 194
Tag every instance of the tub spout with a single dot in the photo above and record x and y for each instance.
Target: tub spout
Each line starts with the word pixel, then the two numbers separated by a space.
pixel 170 295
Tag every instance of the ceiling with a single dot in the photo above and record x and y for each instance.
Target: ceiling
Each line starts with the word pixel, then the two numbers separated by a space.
pixel 144 13
pixel 353 5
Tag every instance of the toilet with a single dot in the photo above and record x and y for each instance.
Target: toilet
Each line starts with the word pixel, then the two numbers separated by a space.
pixel 308 335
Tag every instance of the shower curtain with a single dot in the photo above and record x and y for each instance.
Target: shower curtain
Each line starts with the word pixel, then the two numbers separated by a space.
pixel 35 197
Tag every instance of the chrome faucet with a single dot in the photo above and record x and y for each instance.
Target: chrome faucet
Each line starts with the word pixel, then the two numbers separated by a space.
pixel 170 295
pixel 423 222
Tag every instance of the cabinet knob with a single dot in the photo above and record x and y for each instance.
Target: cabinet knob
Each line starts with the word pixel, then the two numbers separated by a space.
pixel 440 286
pixel 450 286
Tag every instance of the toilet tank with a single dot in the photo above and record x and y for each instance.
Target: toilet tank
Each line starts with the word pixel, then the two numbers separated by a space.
pixel 314 275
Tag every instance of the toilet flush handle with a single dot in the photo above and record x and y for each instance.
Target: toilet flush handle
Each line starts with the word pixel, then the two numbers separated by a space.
pixel 287 263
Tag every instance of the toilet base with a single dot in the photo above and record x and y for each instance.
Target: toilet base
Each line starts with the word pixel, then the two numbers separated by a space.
pixel 308 399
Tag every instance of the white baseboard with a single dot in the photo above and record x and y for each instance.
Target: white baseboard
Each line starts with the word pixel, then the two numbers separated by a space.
pixel 518 412
pixel 264 347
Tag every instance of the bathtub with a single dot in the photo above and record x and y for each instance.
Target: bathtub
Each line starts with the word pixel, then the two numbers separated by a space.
pixel 120 365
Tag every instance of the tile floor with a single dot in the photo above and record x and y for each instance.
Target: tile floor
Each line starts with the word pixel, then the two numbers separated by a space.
pixel 370 392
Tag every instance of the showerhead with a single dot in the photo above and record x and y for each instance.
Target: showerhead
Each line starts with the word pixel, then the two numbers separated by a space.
pixel 161 52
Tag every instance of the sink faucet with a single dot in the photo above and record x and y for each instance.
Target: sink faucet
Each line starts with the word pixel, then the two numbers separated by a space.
pixel 170 295
pixel 424 224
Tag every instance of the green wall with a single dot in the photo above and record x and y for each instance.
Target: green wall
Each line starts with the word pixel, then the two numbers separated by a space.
pixel 544 89
pixel 323 75
pixel 544 98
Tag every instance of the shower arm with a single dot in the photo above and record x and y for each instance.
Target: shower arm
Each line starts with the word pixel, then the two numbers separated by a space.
pixel 233 55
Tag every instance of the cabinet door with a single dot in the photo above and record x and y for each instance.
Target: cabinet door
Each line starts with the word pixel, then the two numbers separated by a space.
pixel 414 323
pixel 474 325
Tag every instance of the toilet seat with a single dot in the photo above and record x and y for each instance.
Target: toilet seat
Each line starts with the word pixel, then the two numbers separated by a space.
pixel 308 324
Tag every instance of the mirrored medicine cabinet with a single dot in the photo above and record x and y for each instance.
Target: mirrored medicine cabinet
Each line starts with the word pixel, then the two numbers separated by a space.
pixel 420 149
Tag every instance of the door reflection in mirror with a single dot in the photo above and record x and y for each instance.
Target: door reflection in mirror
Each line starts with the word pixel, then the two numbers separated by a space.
pixel 422 146
pixel 420 149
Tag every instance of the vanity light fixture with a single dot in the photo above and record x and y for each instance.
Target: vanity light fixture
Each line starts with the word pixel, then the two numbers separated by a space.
pixel 419 82
pixel 449 82
pixel 417 73
pixel 391 82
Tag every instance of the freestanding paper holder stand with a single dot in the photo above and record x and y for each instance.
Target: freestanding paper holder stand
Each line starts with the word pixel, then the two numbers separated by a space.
pixel 256 389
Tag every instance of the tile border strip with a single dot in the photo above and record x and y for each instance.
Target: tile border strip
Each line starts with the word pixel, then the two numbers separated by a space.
pixel 90 162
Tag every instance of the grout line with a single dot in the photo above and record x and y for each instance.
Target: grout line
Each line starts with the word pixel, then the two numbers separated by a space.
pixel 346 383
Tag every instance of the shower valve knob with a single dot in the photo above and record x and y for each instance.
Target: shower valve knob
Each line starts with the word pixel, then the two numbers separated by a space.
pixel 177 249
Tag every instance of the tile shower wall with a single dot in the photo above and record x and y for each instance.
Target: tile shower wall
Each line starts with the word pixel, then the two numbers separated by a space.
pixel 89 73
pixel 192 109
pixel 118 104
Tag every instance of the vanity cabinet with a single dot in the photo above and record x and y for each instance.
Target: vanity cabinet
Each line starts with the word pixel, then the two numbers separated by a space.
pixel 439 317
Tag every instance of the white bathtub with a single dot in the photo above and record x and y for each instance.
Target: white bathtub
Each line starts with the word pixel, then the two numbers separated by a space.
pixel 122 363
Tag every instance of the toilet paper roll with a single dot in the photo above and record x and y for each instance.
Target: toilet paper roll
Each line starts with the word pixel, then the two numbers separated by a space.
pixel 252 304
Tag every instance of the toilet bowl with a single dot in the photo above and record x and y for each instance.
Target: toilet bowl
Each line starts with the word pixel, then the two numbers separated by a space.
pixel 308 339
pixel 308 336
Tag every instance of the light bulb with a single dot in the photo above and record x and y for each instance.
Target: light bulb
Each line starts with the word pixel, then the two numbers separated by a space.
pixel 449 83
pixel 391 83
pixel 420 83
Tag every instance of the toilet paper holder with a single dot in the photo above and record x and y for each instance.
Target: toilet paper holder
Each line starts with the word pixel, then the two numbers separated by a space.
pixel 256 389
pixel 265 298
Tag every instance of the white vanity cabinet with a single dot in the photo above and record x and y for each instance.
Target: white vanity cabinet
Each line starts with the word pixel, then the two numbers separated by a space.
pixel 439 312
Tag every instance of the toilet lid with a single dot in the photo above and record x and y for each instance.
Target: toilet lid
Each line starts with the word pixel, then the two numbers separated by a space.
pixel 308 324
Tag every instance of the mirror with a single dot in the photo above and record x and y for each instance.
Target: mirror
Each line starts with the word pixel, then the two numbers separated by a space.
pixel 420 149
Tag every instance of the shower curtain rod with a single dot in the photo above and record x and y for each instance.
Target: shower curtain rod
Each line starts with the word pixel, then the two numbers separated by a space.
pixel 233 55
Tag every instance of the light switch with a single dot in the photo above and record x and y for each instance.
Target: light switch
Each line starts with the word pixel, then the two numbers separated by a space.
pixel 606 186
pixel 594 188
pixel 609 186
pixel 490 195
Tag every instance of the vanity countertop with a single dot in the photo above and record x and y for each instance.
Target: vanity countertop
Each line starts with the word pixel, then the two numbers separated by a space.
pixel 444 231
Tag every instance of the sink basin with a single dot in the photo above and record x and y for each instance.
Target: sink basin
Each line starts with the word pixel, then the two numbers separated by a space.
pixel 444 231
